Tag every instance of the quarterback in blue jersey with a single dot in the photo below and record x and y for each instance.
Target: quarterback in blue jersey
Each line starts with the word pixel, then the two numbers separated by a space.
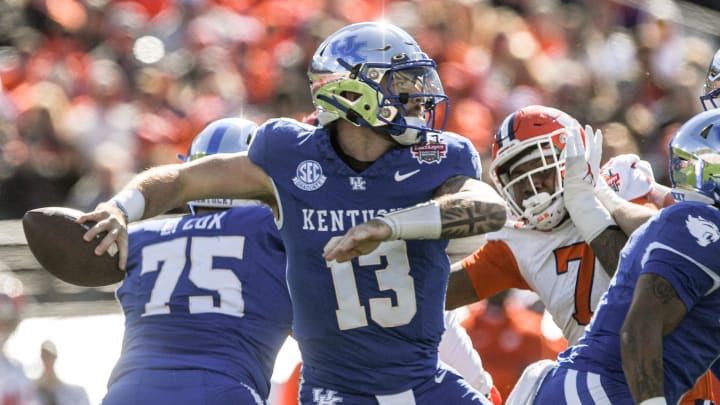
pixel 365 204
pixel 656 330
pixel 205 301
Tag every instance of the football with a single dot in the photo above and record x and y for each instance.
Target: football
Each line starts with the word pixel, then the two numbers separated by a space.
pixel 55 239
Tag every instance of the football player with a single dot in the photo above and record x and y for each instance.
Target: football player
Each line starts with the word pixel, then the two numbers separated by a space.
pixel 204 297
pixel 565 244
pixel 655 331
pixel 365 204
pixel 543 249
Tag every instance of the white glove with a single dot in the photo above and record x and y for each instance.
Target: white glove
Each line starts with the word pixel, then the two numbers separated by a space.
pixel 582 167
pixel 631 178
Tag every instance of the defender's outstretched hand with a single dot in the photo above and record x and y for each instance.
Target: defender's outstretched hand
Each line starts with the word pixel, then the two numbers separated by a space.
pixel 109 218
pixel 582 162
pixel 582 168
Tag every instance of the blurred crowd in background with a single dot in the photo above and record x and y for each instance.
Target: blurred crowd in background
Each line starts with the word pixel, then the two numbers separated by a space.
pixel 92 91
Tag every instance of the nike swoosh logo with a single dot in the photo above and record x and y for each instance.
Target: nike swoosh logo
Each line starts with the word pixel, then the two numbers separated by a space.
pixel 401 177
pixel 440 376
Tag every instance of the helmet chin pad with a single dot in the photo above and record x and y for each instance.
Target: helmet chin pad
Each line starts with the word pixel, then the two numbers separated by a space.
pixel 536 203
pixel 412 132
pixel 543 211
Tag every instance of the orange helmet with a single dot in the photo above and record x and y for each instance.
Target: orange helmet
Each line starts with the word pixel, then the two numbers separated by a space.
pixel 528 134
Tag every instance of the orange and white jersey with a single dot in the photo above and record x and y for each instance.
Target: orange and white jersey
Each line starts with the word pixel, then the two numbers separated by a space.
pixel 558 266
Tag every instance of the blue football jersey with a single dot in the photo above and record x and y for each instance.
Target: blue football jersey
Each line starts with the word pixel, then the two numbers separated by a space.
pixel 681 244
pixel 206 292
pixel 371 325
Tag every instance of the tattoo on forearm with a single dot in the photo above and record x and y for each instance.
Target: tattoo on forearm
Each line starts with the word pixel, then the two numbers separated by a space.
pixel 467 218
pixel 607 247
pixel 663 290
pixel 467 209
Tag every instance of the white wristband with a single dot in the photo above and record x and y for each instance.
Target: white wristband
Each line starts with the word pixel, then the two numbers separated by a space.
pixel 654 401
pixel 131 202
pixel 419 222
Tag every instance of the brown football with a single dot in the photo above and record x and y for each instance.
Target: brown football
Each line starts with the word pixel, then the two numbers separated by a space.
pixel 55 239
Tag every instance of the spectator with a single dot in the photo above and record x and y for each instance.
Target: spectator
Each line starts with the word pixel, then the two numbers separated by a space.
pixel 51 389
pixel 15 386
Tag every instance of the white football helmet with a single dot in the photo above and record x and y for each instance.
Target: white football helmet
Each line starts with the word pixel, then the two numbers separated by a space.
pixel 375 75
pixel 533 133
pixel 226 135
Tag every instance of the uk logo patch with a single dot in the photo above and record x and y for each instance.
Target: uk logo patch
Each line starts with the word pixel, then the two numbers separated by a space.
pixel 429 153
pixel 309 176
pixel 357 183
pixel 326 397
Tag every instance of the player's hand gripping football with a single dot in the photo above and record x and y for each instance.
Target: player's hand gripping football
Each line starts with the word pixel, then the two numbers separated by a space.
pixel 109 218
pixel 359 240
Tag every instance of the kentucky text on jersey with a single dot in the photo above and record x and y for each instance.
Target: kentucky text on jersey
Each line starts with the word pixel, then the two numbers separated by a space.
pixel 337 220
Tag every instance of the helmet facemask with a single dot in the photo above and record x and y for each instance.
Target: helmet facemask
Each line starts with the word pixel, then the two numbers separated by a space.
pixel 530 181
pixel 695 159
pixel 711 89
pixel 695 177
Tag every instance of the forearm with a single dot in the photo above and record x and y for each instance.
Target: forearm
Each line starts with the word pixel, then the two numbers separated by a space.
pixel 469 213
pixel 469 207
pixel 607 247
pixel 460 289
pixel 160 187
pixel 641 349
pixel 631 216
pixel 655 311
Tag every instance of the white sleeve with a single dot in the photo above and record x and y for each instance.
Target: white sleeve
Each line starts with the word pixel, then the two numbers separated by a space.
pixel 456 350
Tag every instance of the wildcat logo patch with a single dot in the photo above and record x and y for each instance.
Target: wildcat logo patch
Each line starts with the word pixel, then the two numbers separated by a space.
pixel 704 231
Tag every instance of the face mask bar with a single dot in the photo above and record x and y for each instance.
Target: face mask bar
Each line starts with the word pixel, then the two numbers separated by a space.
pixel 545 152
pixel 712 84
pixel 709 100
pixel 390 81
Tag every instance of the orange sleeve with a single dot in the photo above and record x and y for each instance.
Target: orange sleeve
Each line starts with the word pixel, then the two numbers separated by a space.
pixel 644 201
pixel 703 390
pixel 492 269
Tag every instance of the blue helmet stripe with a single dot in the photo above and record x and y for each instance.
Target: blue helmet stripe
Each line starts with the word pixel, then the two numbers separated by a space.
pixel 506 132
pixel 511 125
pixel 216 139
